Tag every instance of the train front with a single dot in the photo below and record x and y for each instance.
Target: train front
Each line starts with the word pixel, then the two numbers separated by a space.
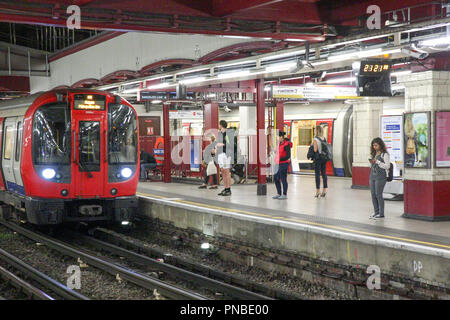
pixel 85 158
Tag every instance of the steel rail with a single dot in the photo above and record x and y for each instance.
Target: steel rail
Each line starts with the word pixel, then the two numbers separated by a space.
pixel 37 276
pixel 165 289
pixel 174 271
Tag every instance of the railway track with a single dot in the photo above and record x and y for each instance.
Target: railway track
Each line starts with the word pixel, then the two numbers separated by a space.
pixel 173 271
pixel 141 280
pixel 34 274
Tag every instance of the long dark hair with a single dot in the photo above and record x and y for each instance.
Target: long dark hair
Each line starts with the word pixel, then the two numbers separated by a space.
pixel 380 142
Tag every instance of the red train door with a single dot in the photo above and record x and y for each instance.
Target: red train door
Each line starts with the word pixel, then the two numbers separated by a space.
pixel 89 155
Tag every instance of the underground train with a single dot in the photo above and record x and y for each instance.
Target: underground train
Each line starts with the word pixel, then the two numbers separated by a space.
pixel 68 155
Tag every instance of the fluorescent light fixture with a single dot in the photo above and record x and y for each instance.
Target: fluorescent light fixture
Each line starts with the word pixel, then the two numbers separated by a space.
pixel 295 40
pixel 283 55
pixel 235 63
pixel 234 74
pixel 162 85
pixel 341 80
pixel 401 73
pixel 131 90
pixel 435 42
pixel 156 101
pixel 237 37
pixel 125 223
pixel 192 80
pixel 280 67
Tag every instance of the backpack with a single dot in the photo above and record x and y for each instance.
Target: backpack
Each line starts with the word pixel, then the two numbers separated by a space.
pixel 410 146
pixel 327 153
pixel 311 153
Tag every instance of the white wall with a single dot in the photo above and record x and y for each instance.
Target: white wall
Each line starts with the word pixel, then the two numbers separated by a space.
pixel 130 51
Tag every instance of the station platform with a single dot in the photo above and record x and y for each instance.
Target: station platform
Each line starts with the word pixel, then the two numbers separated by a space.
pixel 336 227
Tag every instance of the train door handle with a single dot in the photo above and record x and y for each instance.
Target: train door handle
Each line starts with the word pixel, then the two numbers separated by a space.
pixel 106 146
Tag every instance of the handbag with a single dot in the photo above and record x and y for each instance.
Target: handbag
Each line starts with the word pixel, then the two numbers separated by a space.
pixel 211 168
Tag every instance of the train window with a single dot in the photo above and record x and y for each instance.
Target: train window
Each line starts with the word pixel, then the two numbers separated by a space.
pixel 52 134
pixel 122 134
pixel 9 141
pixel 18 140
pixel 89 145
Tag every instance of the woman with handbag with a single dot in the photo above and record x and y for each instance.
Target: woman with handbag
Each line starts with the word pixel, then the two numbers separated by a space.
pixel 209 161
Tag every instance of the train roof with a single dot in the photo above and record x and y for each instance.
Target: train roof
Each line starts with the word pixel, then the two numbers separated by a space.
pixel 28 100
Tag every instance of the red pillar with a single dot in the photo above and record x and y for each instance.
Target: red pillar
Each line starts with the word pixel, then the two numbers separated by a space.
pixel 210 116
pixel 280 115
pixel 167 144
pixel 261 137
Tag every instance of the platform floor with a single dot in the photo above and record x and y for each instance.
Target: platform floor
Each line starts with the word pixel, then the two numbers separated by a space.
pixel 342 208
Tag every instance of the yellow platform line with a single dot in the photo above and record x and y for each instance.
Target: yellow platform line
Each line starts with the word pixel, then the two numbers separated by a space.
pixel 301 221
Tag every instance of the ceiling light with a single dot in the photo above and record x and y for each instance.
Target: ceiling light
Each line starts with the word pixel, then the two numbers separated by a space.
pixel 156 101
pixel 134 90
pixel 162 85
pixel 280 67
pixel 295 40
pixel 237 37
pixel 341 80
pixel 435 42
pixel 233 74
pixel 192 80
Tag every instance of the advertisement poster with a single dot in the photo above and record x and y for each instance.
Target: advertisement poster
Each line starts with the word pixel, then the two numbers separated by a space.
pixel 443 139
pixel 391 133
pixel 417 140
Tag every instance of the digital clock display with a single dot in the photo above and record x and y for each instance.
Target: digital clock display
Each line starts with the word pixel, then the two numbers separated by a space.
pixel 375 67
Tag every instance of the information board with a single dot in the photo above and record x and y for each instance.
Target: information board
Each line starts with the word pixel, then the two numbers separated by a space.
pixel 391 133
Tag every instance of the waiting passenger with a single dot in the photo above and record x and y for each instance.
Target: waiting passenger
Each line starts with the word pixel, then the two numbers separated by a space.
pixel 282 160
pixel 210 163
pixel 225 152
pixel 147 162
pixel 320 163
pixel 380 163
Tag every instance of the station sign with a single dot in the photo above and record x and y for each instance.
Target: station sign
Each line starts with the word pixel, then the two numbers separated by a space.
pixel 185 114
pixel 161 95
pixel 323 92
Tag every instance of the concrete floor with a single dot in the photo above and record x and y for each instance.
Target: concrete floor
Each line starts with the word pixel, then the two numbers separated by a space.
pixel 342 206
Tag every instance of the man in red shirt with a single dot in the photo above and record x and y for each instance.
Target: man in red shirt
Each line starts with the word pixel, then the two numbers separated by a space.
pixel 282 160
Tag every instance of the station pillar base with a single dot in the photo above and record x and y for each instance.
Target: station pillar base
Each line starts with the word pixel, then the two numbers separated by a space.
pixel 262 190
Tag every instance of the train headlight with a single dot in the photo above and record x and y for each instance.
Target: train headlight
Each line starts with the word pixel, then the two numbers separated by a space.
pixel 126 172
pixel 48 173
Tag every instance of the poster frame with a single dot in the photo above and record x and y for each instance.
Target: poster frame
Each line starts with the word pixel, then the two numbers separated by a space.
pixel 435 140
pixel 429 165
pixel 402 168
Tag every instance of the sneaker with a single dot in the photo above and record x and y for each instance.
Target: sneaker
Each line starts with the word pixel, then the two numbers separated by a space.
pixel 225 193
pixel 221 192
pixel 215 187
pixel 276 197
pixel 377 217
pixel 283 197
pixel 373 215
pixel 202 187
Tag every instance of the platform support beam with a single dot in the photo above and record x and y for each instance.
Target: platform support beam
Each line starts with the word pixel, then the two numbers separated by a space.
pixel 167 144
pixel 426 190
pixel 279 116
pixel 261 137
pixel 211 116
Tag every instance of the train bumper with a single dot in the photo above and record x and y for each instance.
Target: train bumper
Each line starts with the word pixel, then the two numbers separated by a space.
pixel 56 211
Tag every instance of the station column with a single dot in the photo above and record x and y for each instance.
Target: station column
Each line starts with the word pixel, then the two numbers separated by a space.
pixel 261 137
pixel 366 126
pixel 426 190
pixel 211 116
pixel 167 144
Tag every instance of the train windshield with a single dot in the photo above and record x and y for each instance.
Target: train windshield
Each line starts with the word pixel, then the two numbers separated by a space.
pixel 122 134
pixel 51 134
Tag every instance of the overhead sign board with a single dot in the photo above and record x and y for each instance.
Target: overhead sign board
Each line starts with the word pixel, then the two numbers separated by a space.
pixel 186 114
pixel 328 92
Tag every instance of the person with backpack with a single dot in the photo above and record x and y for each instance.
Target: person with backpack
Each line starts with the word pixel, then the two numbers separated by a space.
pixel 282 159
pixel 320 159
pixel 380 173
